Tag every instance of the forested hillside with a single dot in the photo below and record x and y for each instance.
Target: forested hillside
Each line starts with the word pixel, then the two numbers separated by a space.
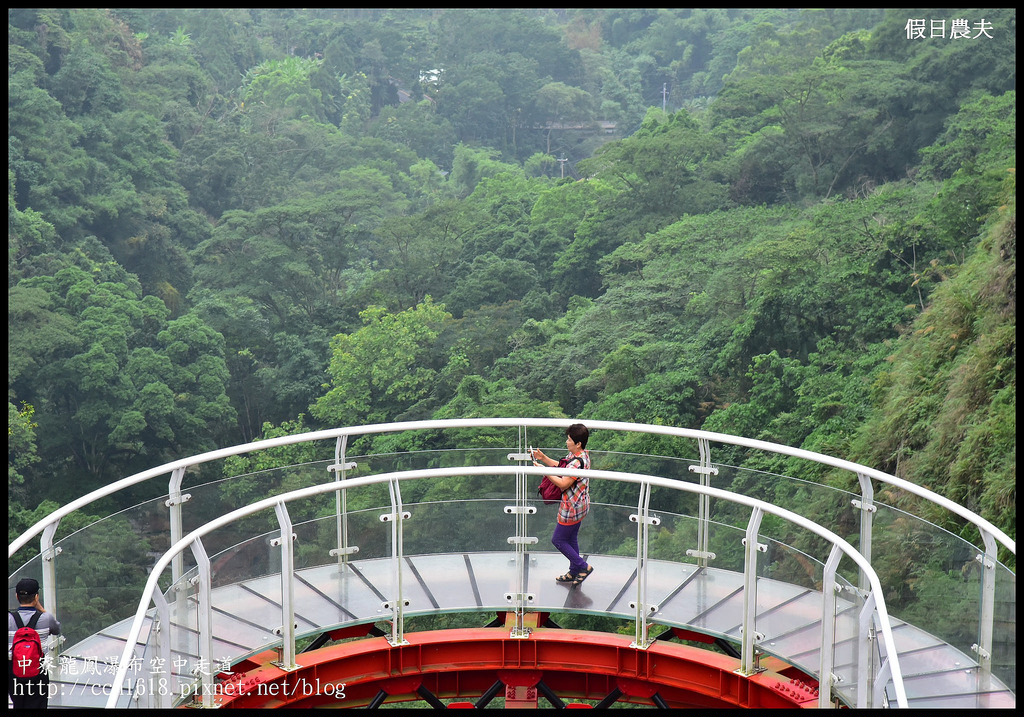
pixel 790 224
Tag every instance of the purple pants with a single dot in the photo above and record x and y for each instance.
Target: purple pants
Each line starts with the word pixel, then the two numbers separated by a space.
pixel 564 539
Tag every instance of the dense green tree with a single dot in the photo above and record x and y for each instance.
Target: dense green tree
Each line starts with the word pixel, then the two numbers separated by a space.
pixel 286 84
pixel 172 87
pixel 50 172
pixel 119 382
pixel 415 254
pixel 298 259
pixel 504 203
pixel 559 105
pixel 249 351
pixel 825 126
pixel 386 369
pixel 492 74
pixel 199 199
pixel 478 398
pixel 645 384
pixel 21 448
pixel 416 126
pixel 491 280
pixel 944 71
pixel 86 84
pixel 542 360
pixel 981 134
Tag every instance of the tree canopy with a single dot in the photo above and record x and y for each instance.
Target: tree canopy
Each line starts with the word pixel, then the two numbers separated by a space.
pixel 791 224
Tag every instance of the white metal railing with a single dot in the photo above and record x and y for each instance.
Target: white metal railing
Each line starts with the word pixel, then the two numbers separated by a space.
pixel 991 536
pixel 194 541
pixel 984 526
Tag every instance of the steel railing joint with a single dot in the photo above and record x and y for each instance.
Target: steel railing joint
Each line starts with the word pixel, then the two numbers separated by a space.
pixel 861 505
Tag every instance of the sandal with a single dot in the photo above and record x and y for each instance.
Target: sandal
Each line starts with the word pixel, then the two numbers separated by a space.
pixel 567 578
pixel 580 577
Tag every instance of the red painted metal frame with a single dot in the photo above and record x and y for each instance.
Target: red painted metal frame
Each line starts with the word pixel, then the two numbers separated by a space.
pixel 462 664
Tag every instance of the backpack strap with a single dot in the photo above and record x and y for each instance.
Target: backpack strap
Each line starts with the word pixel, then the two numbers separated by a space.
pixel 33 621
pixel 575 486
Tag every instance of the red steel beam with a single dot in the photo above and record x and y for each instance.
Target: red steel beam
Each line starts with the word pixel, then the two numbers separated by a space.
pixel 464 663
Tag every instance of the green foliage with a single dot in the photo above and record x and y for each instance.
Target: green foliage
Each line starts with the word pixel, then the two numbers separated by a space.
pixel 285 84
pixel 416 254
pixel 476 397
pixel 21 446
pixel 296 259
pixel 470 165
pixel 385 369
pixel 945 404
pixel 274 457
pixel 114 374
pixel 981 134
pixel 817 249
pixel 661 165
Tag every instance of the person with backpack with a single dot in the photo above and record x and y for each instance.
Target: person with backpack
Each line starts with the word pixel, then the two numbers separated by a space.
pixel 575 502
pixel 29 629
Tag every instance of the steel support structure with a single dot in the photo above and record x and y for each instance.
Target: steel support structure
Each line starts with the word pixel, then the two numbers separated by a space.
pixel 866 506
pixel 569 665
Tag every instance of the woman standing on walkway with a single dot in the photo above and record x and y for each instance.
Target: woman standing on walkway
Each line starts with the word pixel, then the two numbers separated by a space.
pixel 575 502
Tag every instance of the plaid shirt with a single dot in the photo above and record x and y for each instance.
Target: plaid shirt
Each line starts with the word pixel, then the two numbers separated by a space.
pixel 576 499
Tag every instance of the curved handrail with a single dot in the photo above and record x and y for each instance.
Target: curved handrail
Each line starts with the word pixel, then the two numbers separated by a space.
pixel 982 524
pixel 267 503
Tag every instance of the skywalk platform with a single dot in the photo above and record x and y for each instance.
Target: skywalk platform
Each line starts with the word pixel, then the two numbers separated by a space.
pixel 246 615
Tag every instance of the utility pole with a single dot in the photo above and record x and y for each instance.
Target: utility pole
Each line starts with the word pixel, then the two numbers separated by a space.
pixel 664 95
pixel 562 162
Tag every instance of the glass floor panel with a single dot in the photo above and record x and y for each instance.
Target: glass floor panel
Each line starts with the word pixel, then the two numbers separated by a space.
pixel 325 597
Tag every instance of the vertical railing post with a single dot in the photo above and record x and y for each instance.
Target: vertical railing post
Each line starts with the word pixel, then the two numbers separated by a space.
pixel 644 520
pixel 866 506
pixel 204 604
pixel 49 567
pixel 987 615
pixel 878 696
pixel 705 470
pixel 160 693
pixel 748 660
pixel 828 628
pixel 287 629
pixel 341 503
pixel 49 554
pixel 176 499
pixel 521 510
pixel 866 649
pixel 397 604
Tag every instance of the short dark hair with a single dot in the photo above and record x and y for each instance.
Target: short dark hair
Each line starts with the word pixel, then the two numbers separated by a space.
pixel 578 433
